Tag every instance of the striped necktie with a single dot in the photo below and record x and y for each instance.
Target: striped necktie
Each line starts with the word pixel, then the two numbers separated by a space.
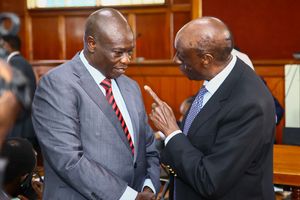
pixel 106 84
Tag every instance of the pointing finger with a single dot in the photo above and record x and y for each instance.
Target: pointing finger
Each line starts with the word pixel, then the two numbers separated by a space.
pixel 153 95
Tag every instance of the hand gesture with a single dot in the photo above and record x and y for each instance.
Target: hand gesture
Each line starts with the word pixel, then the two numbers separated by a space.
pixel 145 195
pixel 38 188
pixel 162 115
pixel 21 197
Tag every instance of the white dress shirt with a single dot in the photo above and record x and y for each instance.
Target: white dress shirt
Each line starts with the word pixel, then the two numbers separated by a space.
pixel 99 77
pixel 211 86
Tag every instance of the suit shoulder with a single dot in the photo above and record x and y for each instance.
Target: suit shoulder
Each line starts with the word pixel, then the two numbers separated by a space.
pixel 60 72
pixel 129 80
pixel 20 63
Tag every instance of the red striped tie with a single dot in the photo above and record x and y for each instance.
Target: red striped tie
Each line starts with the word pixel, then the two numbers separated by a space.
pixel 106 84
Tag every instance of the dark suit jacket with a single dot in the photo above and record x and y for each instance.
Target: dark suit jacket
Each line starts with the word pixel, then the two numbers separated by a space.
pixel 23 126
pixel 228 153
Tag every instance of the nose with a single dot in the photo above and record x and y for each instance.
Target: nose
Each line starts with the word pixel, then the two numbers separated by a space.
pixel 126 58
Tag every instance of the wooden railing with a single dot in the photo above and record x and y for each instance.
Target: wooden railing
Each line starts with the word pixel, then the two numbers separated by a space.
pixel 173 87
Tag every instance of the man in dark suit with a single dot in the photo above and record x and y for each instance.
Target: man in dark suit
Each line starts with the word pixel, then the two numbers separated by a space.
pixel 23 126
pixel 224 150
pixel 91 122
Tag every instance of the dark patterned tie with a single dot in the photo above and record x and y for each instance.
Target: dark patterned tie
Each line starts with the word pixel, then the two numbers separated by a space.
pixel 195 109
pixel 106 84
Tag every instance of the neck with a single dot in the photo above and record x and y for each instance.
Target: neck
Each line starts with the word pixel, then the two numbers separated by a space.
pixel 218 67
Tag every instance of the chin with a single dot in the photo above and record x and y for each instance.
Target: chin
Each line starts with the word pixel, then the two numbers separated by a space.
pixel 114 76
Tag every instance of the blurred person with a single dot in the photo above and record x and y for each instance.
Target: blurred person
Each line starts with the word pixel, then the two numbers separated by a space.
pixel 14 95
pixel 9 104
pixel 225 145
pixel 91 122
pixel 21 161
pixel 184 107
pixel 23 126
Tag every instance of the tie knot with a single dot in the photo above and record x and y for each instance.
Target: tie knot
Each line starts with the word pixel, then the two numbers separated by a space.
pixel 203 90
pixel 106 83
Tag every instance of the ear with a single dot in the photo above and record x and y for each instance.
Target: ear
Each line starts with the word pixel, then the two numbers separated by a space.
pixel 207 59
pixel 91 44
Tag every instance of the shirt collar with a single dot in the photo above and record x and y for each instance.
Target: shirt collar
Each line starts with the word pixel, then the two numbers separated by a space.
pixel 96 74
pixel 215 82
pixel 12 54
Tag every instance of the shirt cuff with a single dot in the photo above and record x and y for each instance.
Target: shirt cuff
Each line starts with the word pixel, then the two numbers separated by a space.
pixel 171 136
pixel 149 183
pixel 129 194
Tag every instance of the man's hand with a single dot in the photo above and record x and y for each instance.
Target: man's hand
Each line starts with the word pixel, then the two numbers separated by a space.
pixel 21 197
pixel 162 115
pixel 147 189
pixel 145 196
pixel 38 188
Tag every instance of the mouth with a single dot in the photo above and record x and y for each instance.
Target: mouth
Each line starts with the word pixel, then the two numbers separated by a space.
pixel 120 70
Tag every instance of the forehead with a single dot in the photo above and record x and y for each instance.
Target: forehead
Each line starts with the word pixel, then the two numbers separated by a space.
pixel 183 45
pixel 184 40
pixel 117 38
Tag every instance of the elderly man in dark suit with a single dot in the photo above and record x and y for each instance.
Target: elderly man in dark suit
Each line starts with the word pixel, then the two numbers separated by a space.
pixel 224 150
pixel 91 122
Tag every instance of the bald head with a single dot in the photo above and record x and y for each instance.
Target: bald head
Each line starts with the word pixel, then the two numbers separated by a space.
pixel 206 35
pixel 108 42
pixel 106 23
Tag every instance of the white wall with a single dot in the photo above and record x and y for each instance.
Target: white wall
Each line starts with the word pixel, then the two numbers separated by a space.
pixel 292 96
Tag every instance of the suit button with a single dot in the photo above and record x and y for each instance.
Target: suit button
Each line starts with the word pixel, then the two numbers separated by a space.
pixel 135 165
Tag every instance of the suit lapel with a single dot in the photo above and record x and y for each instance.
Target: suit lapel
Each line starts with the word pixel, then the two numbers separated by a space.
pixel 89 85
pixel 219 97
pixel 129 100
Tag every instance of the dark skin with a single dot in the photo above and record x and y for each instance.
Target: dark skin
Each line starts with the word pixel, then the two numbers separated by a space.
pixel 205 32
pixel 108 46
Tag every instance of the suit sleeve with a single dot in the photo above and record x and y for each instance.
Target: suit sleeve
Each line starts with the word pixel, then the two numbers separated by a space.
pixel 56 121
pixel 238 142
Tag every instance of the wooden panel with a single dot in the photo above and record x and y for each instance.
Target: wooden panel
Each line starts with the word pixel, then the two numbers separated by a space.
pixel 153 33
pixel 182 1
pixel 74 34
pixel 274 36
pixel 15 6
pixel 180 19
pixel 286 165
pixel 46 43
